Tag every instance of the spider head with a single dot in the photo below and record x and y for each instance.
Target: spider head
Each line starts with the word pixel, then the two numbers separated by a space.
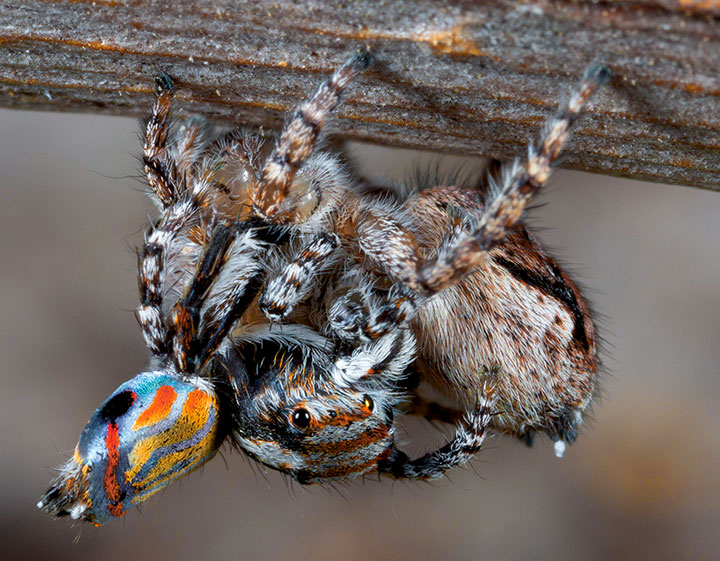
pixel 150 431
pixel 301 417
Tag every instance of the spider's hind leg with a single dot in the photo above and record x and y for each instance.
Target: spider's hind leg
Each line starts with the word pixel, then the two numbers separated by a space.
pixel 506 207
pixel 387 242
pixel 467 442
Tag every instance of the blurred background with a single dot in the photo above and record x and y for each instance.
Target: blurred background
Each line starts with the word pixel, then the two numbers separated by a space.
pixel 641 482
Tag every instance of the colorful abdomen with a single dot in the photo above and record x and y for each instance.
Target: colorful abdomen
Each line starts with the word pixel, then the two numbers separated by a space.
pixel 150 431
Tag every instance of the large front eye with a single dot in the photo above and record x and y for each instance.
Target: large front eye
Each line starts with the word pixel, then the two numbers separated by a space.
pixel 368 402
pixel 300 418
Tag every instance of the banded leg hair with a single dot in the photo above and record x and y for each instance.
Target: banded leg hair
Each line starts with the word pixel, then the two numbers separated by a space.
pixel 467 442
pixel 191 257
pixel 285 196
pixel 296 280
pixel 277 199
pixel 225 280
pixel 467 249
pixel 382 239
pixel 508 205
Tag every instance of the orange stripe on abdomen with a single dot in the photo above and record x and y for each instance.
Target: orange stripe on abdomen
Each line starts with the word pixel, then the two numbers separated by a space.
pixel 192 418
pixel 159 409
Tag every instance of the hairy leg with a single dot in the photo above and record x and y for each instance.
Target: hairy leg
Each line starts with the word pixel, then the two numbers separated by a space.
pixel 161 172
pixel 298 278
pixel 468 440
pixel 505 209
pixel 273 199
pixel 384 240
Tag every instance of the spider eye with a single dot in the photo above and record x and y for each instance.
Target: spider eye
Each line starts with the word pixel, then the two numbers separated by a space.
pixel 300 418
pixel 368 402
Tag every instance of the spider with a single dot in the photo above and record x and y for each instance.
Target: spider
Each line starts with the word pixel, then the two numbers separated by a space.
pixel 292 311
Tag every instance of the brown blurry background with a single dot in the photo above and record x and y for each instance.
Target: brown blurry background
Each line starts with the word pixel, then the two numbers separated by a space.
pixel 642 481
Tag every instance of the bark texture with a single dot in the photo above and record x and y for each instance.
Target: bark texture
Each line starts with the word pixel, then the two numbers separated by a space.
pixel 468 77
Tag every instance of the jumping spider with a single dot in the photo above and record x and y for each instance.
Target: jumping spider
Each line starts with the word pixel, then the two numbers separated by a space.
pixel 288 309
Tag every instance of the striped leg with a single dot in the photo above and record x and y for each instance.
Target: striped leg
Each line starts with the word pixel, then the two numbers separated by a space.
pixel 372 318
pixel 273 200
pixel 297 279
pixel 161 174
pixel 467 442
pixel 506 208
pixel 152 275
pixel 468 247
pixel 226 281
pixel 185 315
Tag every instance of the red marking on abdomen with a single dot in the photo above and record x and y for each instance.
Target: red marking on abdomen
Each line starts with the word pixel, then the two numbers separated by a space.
pixel 112 489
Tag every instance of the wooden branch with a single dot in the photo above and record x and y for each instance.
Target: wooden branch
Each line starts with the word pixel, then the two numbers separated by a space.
pixel 469 77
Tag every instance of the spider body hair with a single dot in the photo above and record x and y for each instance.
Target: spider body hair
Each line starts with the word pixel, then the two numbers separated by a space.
pixel 286 308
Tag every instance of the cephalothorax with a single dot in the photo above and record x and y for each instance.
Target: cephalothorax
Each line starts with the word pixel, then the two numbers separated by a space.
pixel 286 307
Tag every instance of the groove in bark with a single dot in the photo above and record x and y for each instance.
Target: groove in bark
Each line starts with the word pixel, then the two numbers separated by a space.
pixel 458 77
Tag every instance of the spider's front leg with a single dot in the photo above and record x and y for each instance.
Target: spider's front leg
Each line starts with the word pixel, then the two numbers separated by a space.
pixel 297 279
pixel 185 315
pixel 227 279
pixel 158 167
pixel 279 198
pixel 167 172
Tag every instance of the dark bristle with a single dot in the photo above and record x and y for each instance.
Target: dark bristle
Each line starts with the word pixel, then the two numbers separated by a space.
pixel 54 502
pixel 528 438
pixel 361 61
pixel 163 83
pixel 598 73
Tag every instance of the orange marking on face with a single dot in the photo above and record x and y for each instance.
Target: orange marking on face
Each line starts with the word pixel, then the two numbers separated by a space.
pixel 307 380
pixel 158 409
pixel 112 489
pixel 345 470
pixel 361 442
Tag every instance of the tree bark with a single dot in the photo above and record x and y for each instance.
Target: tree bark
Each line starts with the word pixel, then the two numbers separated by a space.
pixel 467 77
